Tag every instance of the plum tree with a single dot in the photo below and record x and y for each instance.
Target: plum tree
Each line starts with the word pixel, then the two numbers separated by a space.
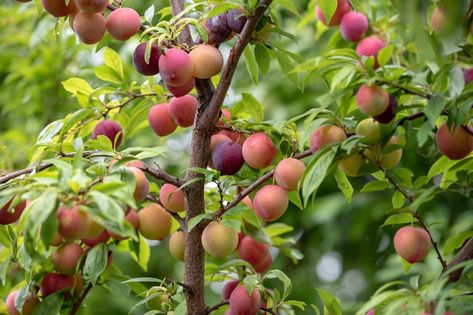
pixel 325 134
pixel 244 302
pixel 219 240
pixel 29 305
pixel 91 6
pixel 255 253
pixel 270 202
pixel 176 67
pixel 288 172
pixel 89 27
pixel 177 245
pixel 259 151
pixel 227 157
pixel 454 143
pixel 353 26
pixel 172 198
pixel 142 184
pixel 343 7
pixel 73 223
pixel 372 100
pixel 388 115
pixel 58 8
pixel 123 23
pixel 217 29
pixel 154 222
pixel 182 90
pixel 206 60
pixel 7 215
pixel 228 289
pixel 369 131
pixel 182 110
pixel 351 164
pixel 236 19
pixel 131 218
pixel 160 120
pixel 139 61
pixel 109 129
pixel 370 47
pixel 66 258
pixel 412 243
pixel 161 301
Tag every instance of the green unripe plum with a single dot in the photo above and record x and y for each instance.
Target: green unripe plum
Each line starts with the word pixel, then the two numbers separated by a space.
pixel 259 151
pixel 31 301
pixel 288 173
pixel 58 8
pixel 454 144
pixel 162 300
pixel 73 223
pixel 386 160
pixel 66 258
pixel 351 164
pixel 172 198
pixel 154 222
pixel 343 7
pixel 131 218
pixel 411 243
pixel 372 100
pixel 160 120
pixel 219 240
pixel 176 67
pixel 8 216
pixel 183 109
pixel 324 135
pixel 92 6
pixel 270 202
pixel 369 131
pixel 255 253
pixel 89 27
pixel 142 184
pixel 123 23
pixel 242 302
pixel 207 61
pixel 177 245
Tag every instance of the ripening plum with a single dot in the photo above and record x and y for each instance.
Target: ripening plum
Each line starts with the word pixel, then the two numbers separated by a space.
pixel 142 184
pixel 154 222
pixel 181 90
pixel 136 163
pixel 227 157
pixel 95 229
pixel 99 239
pixel 438 20
pixel 370 312
pixel 351 165
pixel 206 60
pixel 343 7
pixel 270 202
pixel 236 20
pixel 92 6
pixel 468 75
pixel 54 282
pixel 172 198
pixel 139 61
pixel 29 304
pixel 57 240
pixel 454 144
pixel 66 258
pixel 228 289
pixel 123 23
pixel 161 301
pixel 89 27
pixel 372 100
pixel 324 135
pixel 216 139
pixel 234 136
pixel 219 240
pixel 217 29
pixel 386 160
pixel 254 253
pixel 177 245
pixel 58 8
pixel 8 216
pixel 388 115
pixel 176 67
pixel 370 47
pixel 160 120
pixel 109 129
pixel 288 172
pixel 183 109
pixel 131 218
pixel 369 131
pixel 412 243
pixel 73 223
pixel 241 302
pixel 353 26
pixel 259 151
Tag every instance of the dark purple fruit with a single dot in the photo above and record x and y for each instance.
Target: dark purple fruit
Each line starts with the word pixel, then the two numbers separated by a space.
pixel 388 115
pixel 236 20
pixel 227 157
pixel 217 29
pixel 140 63
pixel 109 129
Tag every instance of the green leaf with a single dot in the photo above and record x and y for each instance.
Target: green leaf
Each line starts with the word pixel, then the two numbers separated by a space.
pixel 425 196
pixel 434 108
pixel 250 105
pixel 440 166
pixel 250 282
pixel 457 82
pixel 331 302
pixel 398 200
pixel 149 14
pixel 277 229
pixel 197 219
pixel 455 241
pixel 328 8
pixel 251 64
pixel 50 305
pixel 96 262
pixel 289 5
pixel 113 60
pixel 278 274
pixel 400 218
pixel 385 54
pixel 77 86
pixel 107 74
pixel 262 58
pixel 49 132
pixel 375 185
pixel 343 184
pixel 295 198
pixel 315 172
pixel 221 8
pixel 39 211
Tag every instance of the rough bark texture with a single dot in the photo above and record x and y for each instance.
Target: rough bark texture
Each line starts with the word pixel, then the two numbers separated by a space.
pixel 466 253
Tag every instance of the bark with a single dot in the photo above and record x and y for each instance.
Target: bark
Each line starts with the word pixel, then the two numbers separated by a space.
pixel 466 253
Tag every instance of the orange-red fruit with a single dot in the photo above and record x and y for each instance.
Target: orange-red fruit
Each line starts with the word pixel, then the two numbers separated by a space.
pixel 8 216
pixel 183 109
pixel 219 240
pixel 154 222
pixel 74 224
pixel 288 172
pixel 160 120
pixel 182 90
pixel 123 23
pixel 142 184
pixel 270 202
pixel 243 303
pixel 66 258
pixel 454 144
pixel 324 135
pixel 258 150
pixel 172 198
pixel 54 282
pixel 370 47
pixel 58 8
pixel 343 7
pixel 372 100
pixel 412 243
pixel 177 245
pixel 176 67
pixel 131 218
pixel 255 253
pixel 90 27
pixel 28 306
pixel 207 61
pixel 92 6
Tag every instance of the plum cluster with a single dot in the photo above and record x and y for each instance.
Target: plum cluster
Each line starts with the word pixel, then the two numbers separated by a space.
pixel 224 26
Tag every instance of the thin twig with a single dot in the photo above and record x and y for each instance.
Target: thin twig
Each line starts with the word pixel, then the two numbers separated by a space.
pixel 79 301
pixel 466 253
pixel 161 175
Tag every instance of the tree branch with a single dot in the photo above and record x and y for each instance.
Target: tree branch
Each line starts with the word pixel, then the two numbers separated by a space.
pixel 466 253
pixel 81 299
pixel 161 175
